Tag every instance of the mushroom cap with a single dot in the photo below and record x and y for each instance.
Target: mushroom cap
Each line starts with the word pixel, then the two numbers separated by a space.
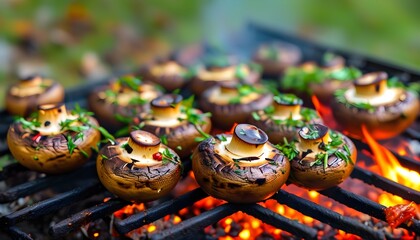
pixel 315 177
pixel 277 131
pixel 251 184
pixel 140 184
pixel 285 55
pixel 226 115
pixel 198 85
pixel 182 135
pixel 168 73
pixel 51 154
pixel 324 91
pixel 26 104
pixel 106 111
pixel 383 122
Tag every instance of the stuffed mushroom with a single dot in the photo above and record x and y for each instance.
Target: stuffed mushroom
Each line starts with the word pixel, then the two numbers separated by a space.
pixel 138 168
pixel 320 158
pixel 223 70
pixel 384 110
pixel 275 57
pixel 284 117
pixel 168 73
pixel 24 97
pixel 116 104
pixel 240 168
pixel 233 103
pixel 54 141
pixel 177 123
pixel 320 79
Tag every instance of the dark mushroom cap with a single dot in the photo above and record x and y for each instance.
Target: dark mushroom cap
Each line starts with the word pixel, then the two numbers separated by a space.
pixel 276 57
pixel 125 178
pixel 207 77
pixel 243 178
pixel 168 73
pixel 225 112
pixel 391 111
pixel 106 109
pixel 23 97
pixel 50 154
pixel 177 130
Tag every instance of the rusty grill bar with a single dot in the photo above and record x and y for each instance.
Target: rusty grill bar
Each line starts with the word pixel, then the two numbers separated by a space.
pixel 88 184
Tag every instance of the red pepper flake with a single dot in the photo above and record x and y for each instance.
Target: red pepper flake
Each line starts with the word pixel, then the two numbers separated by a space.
pixel 157 156
pixel 398 214
pixel 37 137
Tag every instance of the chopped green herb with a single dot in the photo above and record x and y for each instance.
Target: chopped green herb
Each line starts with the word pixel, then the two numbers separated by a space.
pixel 70 144
pixel 164 139
pixel 221 137
pixel 256 116
pixel 288 98
pixel 288 149
pixel 104 157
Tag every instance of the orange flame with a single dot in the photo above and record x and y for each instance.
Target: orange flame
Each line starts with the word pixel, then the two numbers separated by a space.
pixel 391 169
pixel 325 112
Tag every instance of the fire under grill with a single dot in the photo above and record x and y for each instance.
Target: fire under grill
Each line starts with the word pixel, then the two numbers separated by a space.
pixel 70 189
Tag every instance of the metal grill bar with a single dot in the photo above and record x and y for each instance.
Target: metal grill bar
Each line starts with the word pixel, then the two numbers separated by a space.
pixel 11 170
pixel 17 233
pixel 75 221
pixel 364 205
pixel 278 221
pixel 52 204
pixel 192 225
pixel 39 184
pixel 159 211
pixel 386 184
pixel 327 216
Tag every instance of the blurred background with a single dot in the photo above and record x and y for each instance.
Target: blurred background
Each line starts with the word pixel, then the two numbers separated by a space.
pixel 76 41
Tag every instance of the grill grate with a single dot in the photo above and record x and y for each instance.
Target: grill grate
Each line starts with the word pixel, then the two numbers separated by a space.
pixel 87 183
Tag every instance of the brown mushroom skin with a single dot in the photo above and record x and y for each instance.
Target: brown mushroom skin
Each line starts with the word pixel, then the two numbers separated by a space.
pixel 51 155
pixel 198 85
pixel 324 91
pixel 288 55
pixel 24 106
pixel 315 177
pixel 169 82
pixel 254 184
pixel 106 112
pixel 132 183
pixel 183 135
pixel 278 132
pixel 226 115
pixel 384 122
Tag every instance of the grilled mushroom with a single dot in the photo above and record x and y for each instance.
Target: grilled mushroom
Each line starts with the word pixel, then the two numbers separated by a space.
pixel 55 141
pixel 321 80
pixel 385 110
pixel 23 97
pixel 284 117
pixel 321 158
pixel 179 125
pixel 138 168
pixel 231 103
pixel 116 104
pixel 240 168
pixel 223 70
pixel 276 57
pixel 167 73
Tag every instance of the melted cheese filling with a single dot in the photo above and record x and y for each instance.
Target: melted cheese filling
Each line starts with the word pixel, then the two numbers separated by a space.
pixel 141 160
pixel 218 97
pixel 24 91
pixel 390 95
pixel 229 156
pixel 169 68
pixel 173 122
pixel 226 74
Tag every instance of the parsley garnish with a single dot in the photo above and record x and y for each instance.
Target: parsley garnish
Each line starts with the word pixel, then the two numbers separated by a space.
pixel 288 149
pixel 339 95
